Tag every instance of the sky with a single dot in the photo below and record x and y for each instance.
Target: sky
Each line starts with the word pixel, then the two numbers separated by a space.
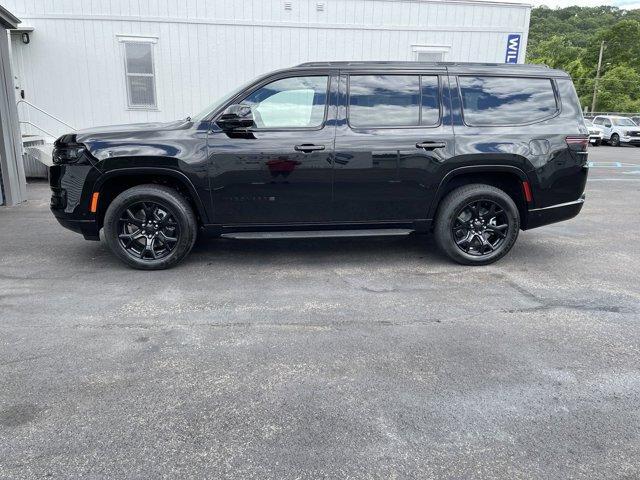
pixel 586 3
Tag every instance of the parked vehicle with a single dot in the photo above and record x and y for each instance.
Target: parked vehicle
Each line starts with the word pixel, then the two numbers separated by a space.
pixel 595 132
pixel 471 152
pixel 618 130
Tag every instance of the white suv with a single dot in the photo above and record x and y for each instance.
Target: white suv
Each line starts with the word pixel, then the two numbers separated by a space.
pixel 617 130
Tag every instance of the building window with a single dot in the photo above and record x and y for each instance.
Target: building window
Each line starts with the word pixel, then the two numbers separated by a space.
pixel 139 72
pixel 426 53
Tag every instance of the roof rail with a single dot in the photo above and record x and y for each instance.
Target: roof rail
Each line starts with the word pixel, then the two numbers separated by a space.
pixel 406 63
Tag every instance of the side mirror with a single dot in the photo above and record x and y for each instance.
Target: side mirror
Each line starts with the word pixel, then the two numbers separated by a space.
pixel 236 116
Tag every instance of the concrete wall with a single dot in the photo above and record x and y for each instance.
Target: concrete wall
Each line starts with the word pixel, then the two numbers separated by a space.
pixel 74 67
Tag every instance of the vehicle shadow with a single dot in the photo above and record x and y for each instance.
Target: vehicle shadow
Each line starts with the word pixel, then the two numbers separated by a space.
pixel 353 251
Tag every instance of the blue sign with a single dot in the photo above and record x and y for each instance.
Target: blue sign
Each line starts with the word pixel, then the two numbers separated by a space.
pixel 513 48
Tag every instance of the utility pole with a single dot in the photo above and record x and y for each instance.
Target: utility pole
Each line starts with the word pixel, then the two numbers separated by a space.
pixel 595 84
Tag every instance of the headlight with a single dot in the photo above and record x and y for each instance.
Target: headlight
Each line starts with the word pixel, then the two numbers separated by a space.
pixel 625 133
pixel 67 151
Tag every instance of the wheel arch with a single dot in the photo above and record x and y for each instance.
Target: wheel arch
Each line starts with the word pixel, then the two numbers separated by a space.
pixel 112 183
pixel 506 177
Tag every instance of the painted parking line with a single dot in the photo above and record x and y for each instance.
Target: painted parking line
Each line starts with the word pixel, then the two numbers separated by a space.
pixel 612 165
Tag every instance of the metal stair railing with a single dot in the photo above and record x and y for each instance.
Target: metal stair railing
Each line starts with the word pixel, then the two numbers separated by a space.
pixel 46 113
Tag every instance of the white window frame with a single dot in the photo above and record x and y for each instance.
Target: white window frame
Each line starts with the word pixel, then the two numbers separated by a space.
pixel 123 40
pixel 443 49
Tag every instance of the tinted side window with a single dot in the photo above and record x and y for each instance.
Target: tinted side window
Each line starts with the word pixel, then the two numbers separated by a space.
pixel 290 103
pixel 393 100
pixel 506 100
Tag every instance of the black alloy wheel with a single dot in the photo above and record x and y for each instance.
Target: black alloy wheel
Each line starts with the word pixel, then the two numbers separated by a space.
pixel 476 224
pixel 148 230
pixel 150 227
pixel 480 227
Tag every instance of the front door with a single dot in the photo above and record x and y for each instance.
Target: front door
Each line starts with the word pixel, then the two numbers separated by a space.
pixel 280 170
pixel 394 135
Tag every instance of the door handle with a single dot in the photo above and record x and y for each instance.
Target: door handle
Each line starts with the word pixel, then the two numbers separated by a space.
pixel 307 148
pixel 431 145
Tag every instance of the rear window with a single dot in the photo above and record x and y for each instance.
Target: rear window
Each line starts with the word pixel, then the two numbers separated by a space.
pixel 393 100
pixel 506 100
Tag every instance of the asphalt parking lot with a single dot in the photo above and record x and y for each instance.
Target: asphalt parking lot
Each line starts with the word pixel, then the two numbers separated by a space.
pixel 327 358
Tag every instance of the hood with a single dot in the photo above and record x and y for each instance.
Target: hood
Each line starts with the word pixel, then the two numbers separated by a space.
pixel 124 131
pixel 158 139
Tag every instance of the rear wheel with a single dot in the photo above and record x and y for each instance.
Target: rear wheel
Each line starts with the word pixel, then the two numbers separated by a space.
pixel 615 140
pixel 477 224
pixel 150 227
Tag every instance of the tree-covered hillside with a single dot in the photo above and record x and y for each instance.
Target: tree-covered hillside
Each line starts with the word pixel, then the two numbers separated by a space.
pixel 569 38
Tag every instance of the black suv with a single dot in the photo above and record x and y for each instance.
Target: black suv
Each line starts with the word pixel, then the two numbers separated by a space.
pixel 472 152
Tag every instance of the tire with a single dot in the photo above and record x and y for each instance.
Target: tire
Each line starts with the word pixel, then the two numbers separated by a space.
pixel 615 140
pixel 171 236
pixel 458 206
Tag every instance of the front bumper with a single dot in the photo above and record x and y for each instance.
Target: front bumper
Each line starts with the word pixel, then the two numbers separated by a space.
pixel 88 228
pixel 70 194
pixel 631 140
pixel 538 217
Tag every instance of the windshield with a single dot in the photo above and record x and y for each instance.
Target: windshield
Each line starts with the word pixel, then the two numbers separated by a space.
pixel 219 102
pixel 588 122
pixel 623 122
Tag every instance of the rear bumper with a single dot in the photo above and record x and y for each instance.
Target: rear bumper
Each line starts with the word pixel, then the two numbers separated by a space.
pixel 538 217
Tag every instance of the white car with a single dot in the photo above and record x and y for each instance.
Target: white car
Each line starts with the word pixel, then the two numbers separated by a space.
pixel 618 130
pixel 595 132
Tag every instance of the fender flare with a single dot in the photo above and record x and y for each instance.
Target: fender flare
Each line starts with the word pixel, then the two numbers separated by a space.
pixel 472 169
pixel 118 172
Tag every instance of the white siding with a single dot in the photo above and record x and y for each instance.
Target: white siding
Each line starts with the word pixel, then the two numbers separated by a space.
pixel 74 68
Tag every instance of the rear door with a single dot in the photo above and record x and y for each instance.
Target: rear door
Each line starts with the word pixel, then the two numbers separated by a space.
pixel 394 133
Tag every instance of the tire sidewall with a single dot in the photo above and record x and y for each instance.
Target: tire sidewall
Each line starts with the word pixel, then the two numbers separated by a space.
pixel 444 233
pixel 615 140
pixel 164 197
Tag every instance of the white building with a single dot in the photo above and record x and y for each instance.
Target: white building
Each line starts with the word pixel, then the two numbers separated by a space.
pixel 91 63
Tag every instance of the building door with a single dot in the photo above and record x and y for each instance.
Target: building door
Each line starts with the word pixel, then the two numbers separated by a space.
pixel 17 66
pixel 280 170
pixel 391 144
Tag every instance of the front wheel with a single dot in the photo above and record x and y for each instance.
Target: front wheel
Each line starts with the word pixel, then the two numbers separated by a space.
pixel 150 227
pixel 615 140
pixel 477 224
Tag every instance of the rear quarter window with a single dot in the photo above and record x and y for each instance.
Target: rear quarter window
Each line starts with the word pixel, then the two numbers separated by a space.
pixel 506 100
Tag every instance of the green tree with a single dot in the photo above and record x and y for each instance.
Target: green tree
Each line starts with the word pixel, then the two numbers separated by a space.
pixel 569 39
pixel 619 90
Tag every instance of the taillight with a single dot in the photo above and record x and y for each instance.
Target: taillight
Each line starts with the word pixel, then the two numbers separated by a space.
pixel 577 142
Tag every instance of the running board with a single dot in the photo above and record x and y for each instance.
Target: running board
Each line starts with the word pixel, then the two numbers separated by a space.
pixel 379 232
